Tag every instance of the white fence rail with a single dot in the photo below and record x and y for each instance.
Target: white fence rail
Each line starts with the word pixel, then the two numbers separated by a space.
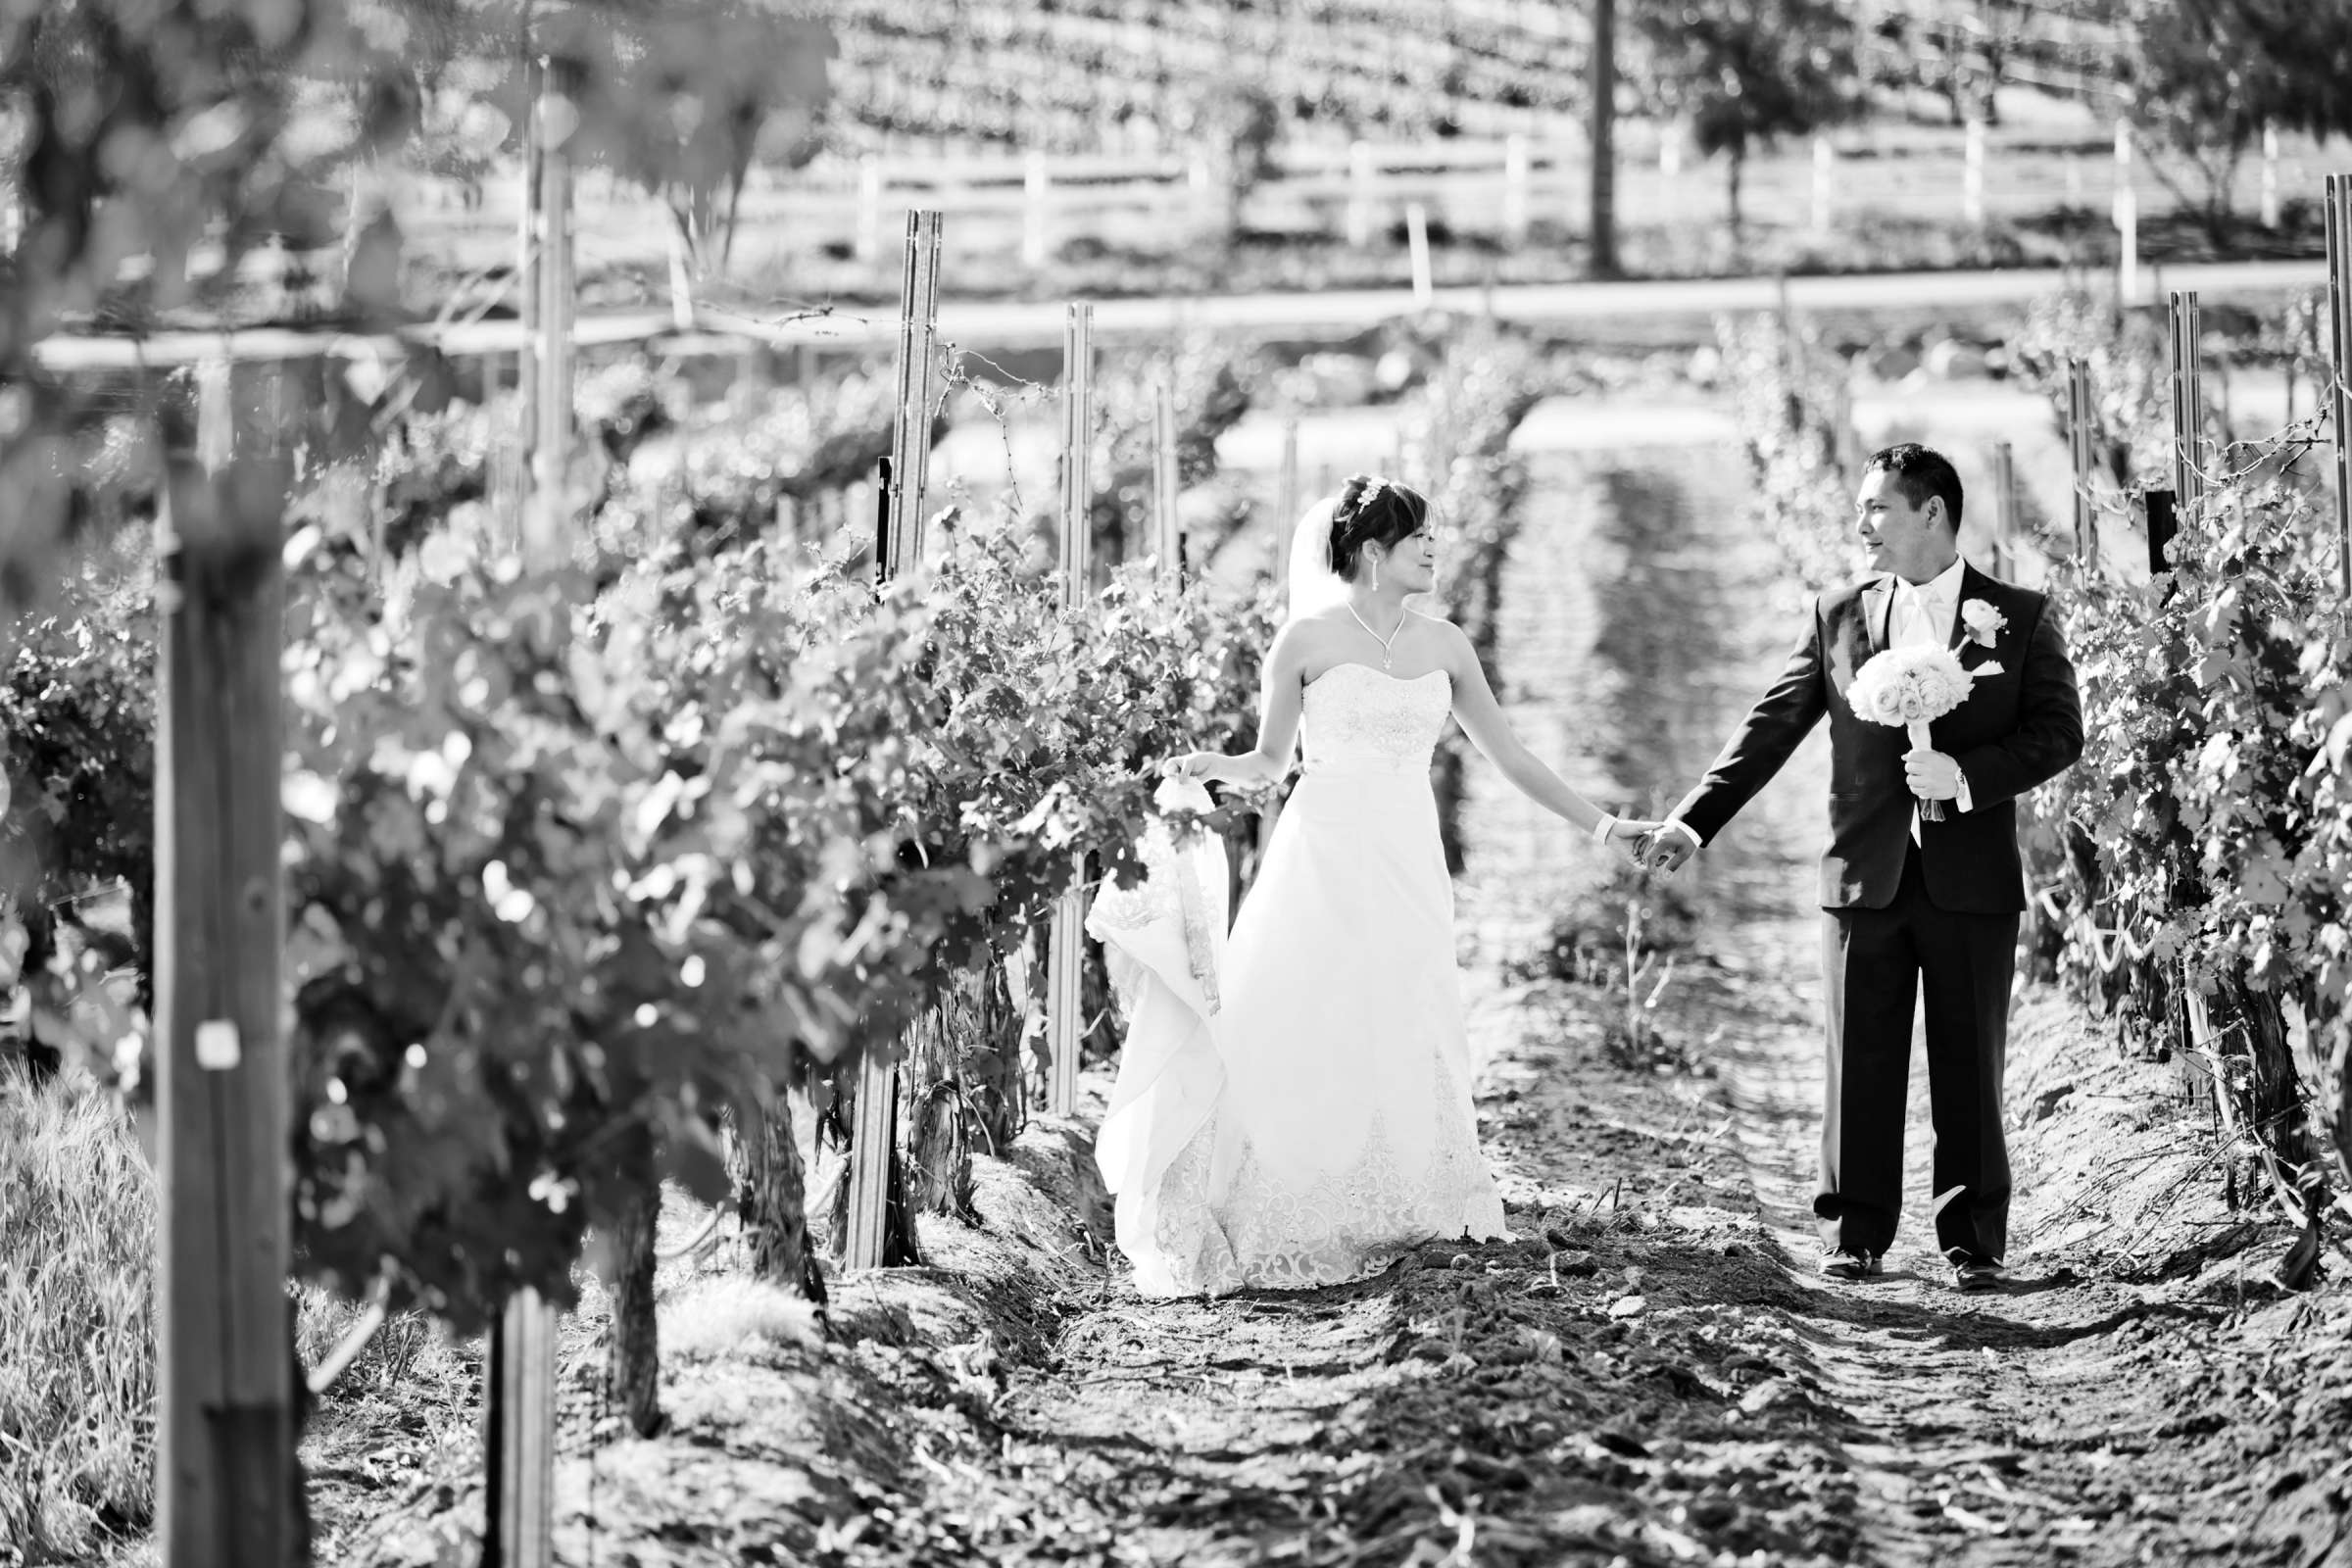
pixel 1027 205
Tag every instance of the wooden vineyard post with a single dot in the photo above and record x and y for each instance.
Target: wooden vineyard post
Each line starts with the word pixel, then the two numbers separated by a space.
pixel 1036 193
pixel 1209 201
pixel 1287 501
pixel 2127 220
pixel 681 279
pixel 1972 175
pixel 1600 191
pixel 2189 401
pixel 2080 418
pixel 513 458
pixel 518 1377
pixel 2163 523
pixel 2004 511
pixel 1167 524
pixel 1416 241
pixel 874 1132
pixel 866 243
pixel 911 442
pixel 228 1492
pixel 551 285
pixel 1359 194
pixel 1825 174
pixel 1288 505
pixel 509 479
pixel 1065 936
pixel 2269 176
pixel 1077 453
pixel 1845 438
pixel 1516 171
pixel 2339 360
pixel 518 1434
pixel 2186 383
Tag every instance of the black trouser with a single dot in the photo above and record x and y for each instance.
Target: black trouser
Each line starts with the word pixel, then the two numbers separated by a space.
pixel 1875 963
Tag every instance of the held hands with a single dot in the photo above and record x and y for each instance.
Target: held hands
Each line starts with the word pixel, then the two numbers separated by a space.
pixel 1629 833
pixel 1664 849
pixel 1932 775
pixel 1633 831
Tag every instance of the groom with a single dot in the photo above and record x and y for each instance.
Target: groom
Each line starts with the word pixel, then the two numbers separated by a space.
pixel 1911 904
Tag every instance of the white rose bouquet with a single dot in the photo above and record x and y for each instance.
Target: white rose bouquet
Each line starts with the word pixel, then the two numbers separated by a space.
pixel 1910 688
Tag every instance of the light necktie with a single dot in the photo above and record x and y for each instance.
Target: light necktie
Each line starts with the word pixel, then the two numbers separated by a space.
pixel 1918 617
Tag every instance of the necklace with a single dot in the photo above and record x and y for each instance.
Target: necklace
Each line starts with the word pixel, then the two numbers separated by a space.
pixel 1386 643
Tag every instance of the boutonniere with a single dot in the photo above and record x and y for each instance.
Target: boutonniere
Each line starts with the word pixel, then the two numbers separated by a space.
pixel 1984 623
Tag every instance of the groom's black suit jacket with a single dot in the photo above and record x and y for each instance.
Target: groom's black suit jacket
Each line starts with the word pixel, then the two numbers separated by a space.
pixel 2014 731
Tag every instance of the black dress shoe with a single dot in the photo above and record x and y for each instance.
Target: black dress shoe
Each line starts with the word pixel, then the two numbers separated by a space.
pixel 1973 1274
pixel 1850 1263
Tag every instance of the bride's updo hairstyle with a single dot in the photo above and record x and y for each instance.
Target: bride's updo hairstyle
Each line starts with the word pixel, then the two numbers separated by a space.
pixel 1371 510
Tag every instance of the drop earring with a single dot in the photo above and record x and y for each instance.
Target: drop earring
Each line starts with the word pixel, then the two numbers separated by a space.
pixel 1376 575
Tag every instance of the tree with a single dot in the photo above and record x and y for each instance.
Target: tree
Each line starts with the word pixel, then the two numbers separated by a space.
pixel 1745 72
pixel 682 97
pixel 1602 212
pixel 2202 77
pixel 685 96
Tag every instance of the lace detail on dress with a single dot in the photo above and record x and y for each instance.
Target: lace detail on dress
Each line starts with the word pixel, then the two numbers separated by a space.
pixel 1355 714
pixel 1350 1223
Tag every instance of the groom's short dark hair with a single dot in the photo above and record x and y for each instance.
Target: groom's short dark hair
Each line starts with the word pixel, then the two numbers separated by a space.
pixel 1919 472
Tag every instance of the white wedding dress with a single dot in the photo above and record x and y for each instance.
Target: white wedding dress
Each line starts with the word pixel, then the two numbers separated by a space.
pixel 1293 1104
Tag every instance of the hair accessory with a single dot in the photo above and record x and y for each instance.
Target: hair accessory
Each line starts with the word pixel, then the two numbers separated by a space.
pixel 1373 486
pixel 1348 514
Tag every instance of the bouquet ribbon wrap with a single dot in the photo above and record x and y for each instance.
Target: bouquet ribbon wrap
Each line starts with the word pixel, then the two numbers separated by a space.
pixel 1921 740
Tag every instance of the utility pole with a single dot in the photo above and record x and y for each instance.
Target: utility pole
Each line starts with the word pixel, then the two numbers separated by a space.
pixel 1603 188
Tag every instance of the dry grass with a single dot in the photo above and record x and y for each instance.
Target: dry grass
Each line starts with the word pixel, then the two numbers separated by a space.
pixel 716 1317
pixel 77 1390
pixel 77 1207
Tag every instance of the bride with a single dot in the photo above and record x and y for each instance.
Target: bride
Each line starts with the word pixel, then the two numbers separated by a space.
pixel 1293 1104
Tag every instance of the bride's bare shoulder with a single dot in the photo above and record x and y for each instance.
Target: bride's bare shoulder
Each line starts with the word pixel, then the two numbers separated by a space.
pixel 1302 637
pixel 1445 630
pixel 1317 625
pixel 1456 650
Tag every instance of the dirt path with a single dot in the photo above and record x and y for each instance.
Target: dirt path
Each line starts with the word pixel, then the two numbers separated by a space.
pixel 1985 1430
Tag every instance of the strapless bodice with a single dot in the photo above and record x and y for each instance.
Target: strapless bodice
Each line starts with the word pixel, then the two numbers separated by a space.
pixel 1362 720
